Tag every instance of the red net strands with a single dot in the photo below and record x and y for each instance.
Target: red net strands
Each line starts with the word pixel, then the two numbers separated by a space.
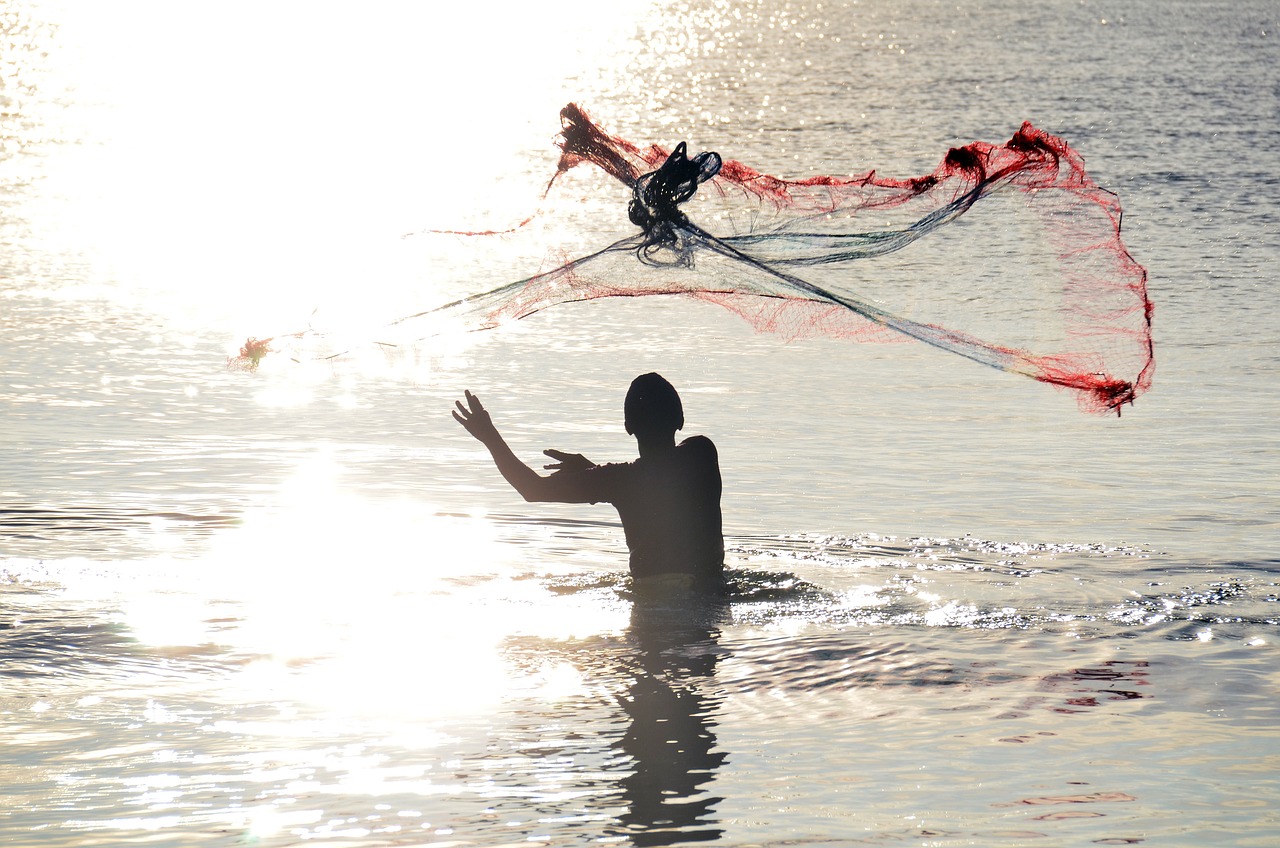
pixel 788 256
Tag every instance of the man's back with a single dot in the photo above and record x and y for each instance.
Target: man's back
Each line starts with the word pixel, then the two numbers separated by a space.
pixel 669 503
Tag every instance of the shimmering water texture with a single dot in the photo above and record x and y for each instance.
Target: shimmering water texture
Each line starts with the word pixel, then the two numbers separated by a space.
pixel 779 253
pixel 963 692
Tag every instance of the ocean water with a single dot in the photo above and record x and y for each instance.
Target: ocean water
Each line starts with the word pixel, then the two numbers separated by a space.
pixel 299 606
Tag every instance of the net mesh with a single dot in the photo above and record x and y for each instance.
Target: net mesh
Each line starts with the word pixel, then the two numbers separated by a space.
pixel 1068 305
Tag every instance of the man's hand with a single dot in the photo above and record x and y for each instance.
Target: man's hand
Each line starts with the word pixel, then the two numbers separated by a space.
pixel 567 461
pixel 476 419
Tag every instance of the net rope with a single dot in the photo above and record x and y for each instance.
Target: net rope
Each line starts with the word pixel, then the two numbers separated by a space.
pixel 791 257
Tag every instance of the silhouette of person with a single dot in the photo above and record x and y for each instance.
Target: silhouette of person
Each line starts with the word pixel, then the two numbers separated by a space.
pixel 668 498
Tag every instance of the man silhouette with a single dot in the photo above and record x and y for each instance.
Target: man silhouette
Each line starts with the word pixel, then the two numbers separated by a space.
pixel 668 498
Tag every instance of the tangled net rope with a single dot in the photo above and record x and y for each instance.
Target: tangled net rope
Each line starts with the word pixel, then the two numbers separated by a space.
pixel 782 253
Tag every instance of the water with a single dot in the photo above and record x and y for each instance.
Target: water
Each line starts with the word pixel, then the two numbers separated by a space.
pixel 300 607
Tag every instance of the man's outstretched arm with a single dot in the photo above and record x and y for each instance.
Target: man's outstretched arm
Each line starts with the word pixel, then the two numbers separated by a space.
pixel 531 485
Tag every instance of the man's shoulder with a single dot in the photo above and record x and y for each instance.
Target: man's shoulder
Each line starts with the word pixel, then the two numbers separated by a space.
pixel 699 444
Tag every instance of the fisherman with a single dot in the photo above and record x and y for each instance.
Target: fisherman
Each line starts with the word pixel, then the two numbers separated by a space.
pixel 668 498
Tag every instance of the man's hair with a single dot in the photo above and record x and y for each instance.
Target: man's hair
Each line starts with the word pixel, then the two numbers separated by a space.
pixel 652 404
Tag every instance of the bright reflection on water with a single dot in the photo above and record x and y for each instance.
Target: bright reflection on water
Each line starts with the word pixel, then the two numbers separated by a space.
pixel 226 165
pixel 212 684
pixel 288 685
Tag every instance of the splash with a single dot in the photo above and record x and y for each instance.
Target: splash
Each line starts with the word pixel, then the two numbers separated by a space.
pixel 782 253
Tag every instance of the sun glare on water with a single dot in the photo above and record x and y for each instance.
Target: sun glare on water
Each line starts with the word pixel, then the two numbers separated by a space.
pixel 247 170
pixel 349 606
pixel 251 164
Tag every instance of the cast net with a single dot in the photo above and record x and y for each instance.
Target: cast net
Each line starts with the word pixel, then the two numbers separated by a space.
pixel 1066 306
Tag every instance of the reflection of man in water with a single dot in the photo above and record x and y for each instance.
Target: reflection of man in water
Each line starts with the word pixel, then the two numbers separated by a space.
pixel 671 741
pixel 668 499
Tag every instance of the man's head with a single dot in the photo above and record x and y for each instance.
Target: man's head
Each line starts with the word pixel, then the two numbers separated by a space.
pixel 652 407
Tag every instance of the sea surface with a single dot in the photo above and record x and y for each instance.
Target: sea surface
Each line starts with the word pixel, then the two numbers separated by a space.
pixel 298 605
